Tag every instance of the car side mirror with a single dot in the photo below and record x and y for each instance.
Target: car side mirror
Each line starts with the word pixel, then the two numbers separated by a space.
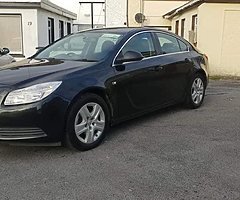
pixel 129 56
pixel 4 51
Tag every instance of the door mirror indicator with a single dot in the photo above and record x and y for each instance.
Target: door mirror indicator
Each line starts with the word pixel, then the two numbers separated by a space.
pixel 129 56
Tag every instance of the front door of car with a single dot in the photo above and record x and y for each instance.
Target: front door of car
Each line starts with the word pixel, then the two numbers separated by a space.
pixel 137 82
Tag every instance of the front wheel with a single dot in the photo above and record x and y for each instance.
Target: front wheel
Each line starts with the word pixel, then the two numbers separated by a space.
pixel 87 123
pixel 196 91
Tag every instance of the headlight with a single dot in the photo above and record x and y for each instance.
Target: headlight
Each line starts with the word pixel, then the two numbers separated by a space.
pixel 31 94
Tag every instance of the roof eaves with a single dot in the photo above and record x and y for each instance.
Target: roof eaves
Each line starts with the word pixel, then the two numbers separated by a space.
pixel 10 4
pixel 47 5
pixel 44 4
pixel 190 4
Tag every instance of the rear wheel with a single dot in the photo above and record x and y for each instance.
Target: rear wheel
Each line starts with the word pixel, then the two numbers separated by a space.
pixel 196 91
pixel 88 122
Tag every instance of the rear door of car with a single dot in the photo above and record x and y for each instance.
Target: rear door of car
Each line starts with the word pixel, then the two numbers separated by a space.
pixel 176 65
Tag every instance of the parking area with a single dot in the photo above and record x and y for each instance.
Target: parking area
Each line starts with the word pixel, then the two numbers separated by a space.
pixel 175 153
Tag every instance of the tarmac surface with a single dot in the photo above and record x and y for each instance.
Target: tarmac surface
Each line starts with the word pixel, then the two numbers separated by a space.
pixel 175 153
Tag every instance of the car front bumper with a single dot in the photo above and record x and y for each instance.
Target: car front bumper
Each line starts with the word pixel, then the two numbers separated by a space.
pixel 19 133
pixel 42 121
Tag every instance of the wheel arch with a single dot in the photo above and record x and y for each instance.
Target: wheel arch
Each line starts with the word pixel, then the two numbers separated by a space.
pixel 203 73
pixel 91 90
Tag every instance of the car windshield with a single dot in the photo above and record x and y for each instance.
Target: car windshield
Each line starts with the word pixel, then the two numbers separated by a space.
pixel 84 46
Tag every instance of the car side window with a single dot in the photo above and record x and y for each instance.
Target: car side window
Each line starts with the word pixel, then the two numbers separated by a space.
pixel 168 43
pixel 141 43
pixel 183 46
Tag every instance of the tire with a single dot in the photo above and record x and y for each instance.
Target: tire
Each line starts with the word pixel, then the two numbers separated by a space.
pixel 196 91
pixel 87 123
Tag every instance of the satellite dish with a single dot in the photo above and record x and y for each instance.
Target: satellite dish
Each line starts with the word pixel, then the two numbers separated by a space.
pixel 139 18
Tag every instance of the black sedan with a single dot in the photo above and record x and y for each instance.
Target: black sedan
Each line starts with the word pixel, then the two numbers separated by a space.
pixel 77 88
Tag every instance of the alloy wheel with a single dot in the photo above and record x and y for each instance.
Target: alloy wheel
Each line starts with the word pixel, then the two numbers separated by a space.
pixel 197 90
pixel 89 123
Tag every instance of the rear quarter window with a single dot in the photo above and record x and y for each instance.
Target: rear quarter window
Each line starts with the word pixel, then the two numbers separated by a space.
pixel 183 46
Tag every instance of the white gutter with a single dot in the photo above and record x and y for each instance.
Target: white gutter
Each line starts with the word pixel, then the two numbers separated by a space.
pixel 44 4
pixel 183 7
pixel 47 5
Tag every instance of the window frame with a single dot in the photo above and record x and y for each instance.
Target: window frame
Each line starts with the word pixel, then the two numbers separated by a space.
pixel 177 27
pixel 61 28
pixel 183 23
pixel 51 30
pixel 194 22
pixel 134 35
pixel 155 43
pixel 177 38
pixel 69 28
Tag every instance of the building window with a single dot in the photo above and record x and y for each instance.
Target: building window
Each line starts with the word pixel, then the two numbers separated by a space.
pixel 177 27
pixel 182 27
pixel 69 28
pixel 50 30
pixel 61 29
pixel 11 33
pixel 194 23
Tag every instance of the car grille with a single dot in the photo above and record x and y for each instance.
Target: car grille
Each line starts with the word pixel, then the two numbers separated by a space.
pixel 21 133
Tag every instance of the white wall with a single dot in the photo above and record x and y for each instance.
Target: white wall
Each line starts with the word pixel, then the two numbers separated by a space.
pixel 154 10
pixel 188 22
pixel 35 27
pixel 43 16
pixel 218 31
pixel 116 13
pixel 218 37
pixel 29 28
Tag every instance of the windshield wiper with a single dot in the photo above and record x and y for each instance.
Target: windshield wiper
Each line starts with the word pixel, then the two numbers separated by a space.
pixel 87 60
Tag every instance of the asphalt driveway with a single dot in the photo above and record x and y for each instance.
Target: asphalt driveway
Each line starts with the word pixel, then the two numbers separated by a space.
pixel 175 153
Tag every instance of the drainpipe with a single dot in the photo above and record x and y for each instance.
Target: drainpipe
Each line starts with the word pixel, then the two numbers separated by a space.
pixel 141 11
pixel 105 13
pixel 127 19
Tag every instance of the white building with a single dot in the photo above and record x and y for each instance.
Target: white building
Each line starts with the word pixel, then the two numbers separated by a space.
pixel 106 13
pixel 28 24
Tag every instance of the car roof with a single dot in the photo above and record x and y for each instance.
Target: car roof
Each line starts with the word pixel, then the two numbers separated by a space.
pixel 133 30
pixel 125 30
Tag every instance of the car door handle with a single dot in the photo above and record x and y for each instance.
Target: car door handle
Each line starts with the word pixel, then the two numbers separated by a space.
pixel 160 67
pixel 156 68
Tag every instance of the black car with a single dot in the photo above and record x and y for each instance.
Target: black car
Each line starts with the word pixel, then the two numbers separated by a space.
pixel 77 88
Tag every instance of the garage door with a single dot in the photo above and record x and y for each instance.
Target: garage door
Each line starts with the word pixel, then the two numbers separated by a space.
pixel 230 44
pixel 11 32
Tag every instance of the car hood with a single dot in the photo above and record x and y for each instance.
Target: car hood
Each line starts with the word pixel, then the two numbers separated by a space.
pixel 31 69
